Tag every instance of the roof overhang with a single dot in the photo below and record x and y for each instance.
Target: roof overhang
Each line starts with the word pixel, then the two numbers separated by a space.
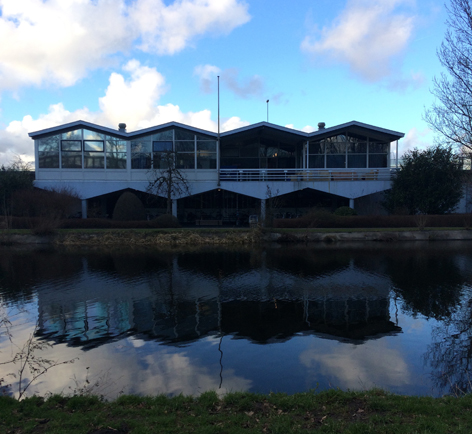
pixel 265 129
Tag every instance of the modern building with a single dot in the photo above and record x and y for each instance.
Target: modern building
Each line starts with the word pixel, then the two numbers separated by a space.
pixel 228 175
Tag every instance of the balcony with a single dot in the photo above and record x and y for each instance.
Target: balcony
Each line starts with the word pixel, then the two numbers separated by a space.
pixel 306 175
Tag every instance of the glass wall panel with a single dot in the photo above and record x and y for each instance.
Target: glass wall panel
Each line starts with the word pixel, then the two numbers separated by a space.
pixel 185 146
pixel 162 160
pixel 164 136
pixel 92 135
pixel 377 160
pixel 72 160
pixel 140 154
pixel 207 145
pixel 206 160
pixel 113 145
pixel 116 153
pixel 162 146
pixel 249 151
pixel 49 144
pixel 181 134
pixel 94 160
pixel 336 161
pixel 48 160
pixel 93 146
pixel 357 148
pixel 317 161
pixel 230 152
pixel 116 160
pixel 185 160
pixel 357 160
pixel 317 148
pixel 286 162
pixel 378 148
pixel 72 135
pixel 71 145
pixel 336 148
pixel 203 137
pixel 48 152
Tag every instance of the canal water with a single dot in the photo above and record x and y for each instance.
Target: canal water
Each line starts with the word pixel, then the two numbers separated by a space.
pixel 275 318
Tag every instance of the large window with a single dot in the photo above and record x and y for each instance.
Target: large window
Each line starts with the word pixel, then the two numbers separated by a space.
pixel 115 153
pixel 48 152
pixel 348 151
pixel 141 154
pixel 206 154
pixel 162 154
pixel 81 149
pixel 183 148
pixel 378 154
pixel 71 154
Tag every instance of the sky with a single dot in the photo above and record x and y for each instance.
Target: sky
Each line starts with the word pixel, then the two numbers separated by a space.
pixel 148 62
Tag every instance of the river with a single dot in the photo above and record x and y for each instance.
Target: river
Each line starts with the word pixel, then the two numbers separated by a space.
pixel 273 318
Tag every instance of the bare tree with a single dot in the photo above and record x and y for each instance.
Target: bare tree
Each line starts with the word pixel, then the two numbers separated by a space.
pixel 166 179
pixel 451 116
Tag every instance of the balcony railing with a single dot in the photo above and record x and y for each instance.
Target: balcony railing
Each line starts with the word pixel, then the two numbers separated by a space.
pixel 306 175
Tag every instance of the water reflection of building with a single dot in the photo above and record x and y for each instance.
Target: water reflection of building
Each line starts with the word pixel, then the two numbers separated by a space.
pixel 178 305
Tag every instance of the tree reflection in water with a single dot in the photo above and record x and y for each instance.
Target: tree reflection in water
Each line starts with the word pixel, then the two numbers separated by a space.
pixel 450 353
pixel 254 296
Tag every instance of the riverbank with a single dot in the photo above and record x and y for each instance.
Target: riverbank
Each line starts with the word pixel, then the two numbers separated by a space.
pixel 219 236
pixel 331 411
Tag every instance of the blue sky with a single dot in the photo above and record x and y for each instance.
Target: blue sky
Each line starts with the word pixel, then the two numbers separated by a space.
pixel 147 62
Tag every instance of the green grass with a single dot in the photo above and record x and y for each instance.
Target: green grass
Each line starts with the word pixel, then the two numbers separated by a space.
pixel 330 411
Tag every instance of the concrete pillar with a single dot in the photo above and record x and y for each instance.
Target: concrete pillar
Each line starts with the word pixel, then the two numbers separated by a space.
pixel 263 210
pixel 174 207
pixel 84 208
pixel 351 203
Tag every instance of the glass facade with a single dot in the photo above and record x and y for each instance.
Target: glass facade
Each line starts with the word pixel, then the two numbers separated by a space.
pixel 86 149
pixel 348 151
pixel 81 149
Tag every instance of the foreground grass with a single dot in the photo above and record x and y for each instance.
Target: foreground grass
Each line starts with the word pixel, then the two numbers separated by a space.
pixel 325 412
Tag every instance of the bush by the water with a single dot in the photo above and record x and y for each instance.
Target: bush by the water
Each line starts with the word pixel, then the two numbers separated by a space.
pixel 324 219
pixel 345 211
pixel 129 207
pixel 166 221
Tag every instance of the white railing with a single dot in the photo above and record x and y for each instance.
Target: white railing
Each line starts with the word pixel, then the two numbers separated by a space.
pixel 307 175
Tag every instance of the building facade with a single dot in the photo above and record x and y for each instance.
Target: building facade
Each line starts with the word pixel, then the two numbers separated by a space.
pixel 228 174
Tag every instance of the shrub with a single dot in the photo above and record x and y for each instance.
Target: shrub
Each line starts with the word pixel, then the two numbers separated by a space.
pixel 166 221
pixel 44 209
pixel 129 207
pixel 344 211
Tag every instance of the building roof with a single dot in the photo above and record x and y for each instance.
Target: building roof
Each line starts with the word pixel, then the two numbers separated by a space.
pixel 353 126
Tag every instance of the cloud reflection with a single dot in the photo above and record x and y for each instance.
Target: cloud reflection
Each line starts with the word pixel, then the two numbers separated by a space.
pixel 358 367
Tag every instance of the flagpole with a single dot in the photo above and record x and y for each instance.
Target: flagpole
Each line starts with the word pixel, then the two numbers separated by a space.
pixel 218 141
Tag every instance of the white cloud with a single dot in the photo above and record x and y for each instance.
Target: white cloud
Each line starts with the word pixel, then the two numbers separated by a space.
pixel 169 29
pixel 253 86
pixel 14 140
pixel 132 97
pixel 245 88
pixel 367 36
pixel 415 139
pixel 403 84
pixel 58 41
pixel 306 129
pixel 207 75
pixel 233 123
pixel 132 100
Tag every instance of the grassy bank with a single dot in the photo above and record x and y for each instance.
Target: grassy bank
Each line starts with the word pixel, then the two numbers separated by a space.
pixel 325 412
pixel 227 236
